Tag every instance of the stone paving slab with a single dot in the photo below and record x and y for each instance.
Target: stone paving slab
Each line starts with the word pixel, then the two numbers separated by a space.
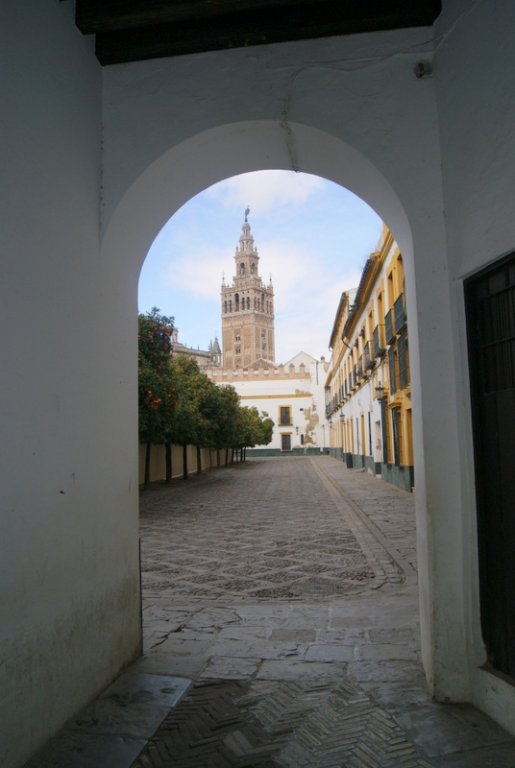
pixel 114 728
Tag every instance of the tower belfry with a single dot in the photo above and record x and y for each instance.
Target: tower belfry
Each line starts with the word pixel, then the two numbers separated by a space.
pixel 247 309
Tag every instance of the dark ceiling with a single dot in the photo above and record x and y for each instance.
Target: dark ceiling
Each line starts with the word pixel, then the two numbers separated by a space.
pixel 132 30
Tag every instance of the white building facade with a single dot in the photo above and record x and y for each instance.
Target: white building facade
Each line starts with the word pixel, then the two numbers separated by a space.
pixel 95 161
pixel 292 395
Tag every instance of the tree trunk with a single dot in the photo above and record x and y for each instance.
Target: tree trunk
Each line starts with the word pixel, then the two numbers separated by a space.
pixel 146 479
pixel 184 462
pixel 168 462
pixel 218 458
pixel 199 460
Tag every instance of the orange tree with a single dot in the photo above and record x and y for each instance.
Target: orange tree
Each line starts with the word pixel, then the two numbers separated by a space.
pixel 190 424
pixel 156 390
pixel 220 412
pixel 252 429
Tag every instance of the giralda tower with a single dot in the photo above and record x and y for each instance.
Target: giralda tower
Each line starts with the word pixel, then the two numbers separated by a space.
pixel 247 309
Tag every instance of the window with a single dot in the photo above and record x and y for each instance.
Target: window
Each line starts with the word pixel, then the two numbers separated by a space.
pixel 389 326
pixel 399 310
pixel 285 416
pixel 404 378
pixel 286 442
pixel 392 369
pixel 396 433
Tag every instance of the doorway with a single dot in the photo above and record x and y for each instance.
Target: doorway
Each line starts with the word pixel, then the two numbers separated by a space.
pixel 490 307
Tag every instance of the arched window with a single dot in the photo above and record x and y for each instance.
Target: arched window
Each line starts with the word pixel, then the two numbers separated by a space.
pixel 242 268
pixel 248 302
pixel 225 307
pixel 230 305
pixel 237 301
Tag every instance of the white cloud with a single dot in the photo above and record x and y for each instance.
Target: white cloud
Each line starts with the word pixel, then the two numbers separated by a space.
pixel 263 191
pixel 199 276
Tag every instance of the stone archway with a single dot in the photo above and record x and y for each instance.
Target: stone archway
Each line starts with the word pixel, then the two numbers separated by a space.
pixel 210 156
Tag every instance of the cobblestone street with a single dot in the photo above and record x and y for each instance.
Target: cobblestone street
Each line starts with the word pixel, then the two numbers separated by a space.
pixel 280 618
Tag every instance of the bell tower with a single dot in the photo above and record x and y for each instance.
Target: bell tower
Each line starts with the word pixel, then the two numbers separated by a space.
pixel 247 309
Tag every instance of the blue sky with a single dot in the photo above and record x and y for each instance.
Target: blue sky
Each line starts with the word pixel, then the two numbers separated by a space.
pixel 312 235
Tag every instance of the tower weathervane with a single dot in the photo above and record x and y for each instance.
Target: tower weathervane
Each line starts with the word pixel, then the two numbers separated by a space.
pixel 247 211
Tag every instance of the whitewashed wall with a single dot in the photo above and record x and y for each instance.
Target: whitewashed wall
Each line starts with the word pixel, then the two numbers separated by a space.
pixel 353 111
pixel 69 599
pixel 475 81
pixel 305 398
pixel 433 157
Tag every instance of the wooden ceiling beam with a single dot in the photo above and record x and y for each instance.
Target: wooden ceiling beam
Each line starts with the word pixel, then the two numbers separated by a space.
pixel 132 30
pixel 93 16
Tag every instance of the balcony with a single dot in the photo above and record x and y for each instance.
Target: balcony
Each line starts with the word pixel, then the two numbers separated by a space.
pixel 389 327
pixel 403 354
pixel 368 358
pixel 392 369
pixel 379 346
pixel 399 310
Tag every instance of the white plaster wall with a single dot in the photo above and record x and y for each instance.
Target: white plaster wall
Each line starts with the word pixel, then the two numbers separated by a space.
pixel 68 535
pixel 350 110
pixel 475 82
pixel 363 402
pixel 269 395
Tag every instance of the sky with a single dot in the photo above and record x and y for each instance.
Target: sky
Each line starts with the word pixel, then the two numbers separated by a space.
pixel 313 237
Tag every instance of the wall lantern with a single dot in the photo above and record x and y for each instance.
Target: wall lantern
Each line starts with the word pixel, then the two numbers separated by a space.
pixel 380 392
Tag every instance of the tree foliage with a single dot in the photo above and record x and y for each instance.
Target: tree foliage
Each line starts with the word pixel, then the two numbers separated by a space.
pixel 252 428
pixel 180 405
pixel 156 391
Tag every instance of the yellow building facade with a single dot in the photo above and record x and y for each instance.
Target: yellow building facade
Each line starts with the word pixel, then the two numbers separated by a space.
pixel 368 390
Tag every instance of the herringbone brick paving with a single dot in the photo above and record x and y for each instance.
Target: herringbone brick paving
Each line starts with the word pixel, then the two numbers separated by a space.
pixel 252 723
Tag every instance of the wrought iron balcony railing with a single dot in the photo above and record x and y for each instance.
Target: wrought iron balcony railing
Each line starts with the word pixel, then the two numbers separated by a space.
pixel 399 309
